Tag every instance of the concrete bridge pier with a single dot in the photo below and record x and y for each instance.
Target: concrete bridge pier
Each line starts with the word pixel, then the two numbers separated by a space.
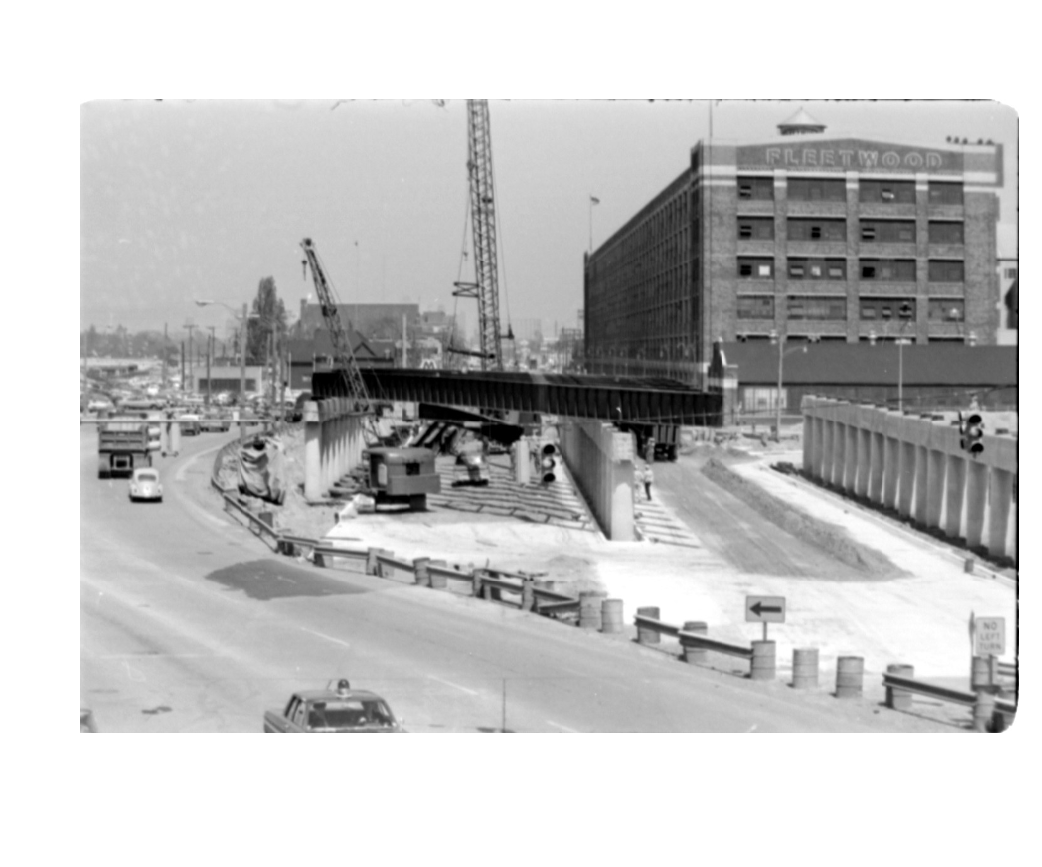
pixel 863 462
pixel 955 491
pixel 850 457
pixel 892 471
pixel 839 449
pixel 1000 501
pixel 906 475
pixel 823 468
pixel 934 488
pixel 976 500
pixel 921 480
pixel 312 453
pixel 875 471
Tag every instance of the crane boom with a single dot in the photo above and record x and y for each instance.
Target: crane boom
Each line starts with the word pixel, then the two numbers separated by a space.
pixel 483 221
pixel 343 355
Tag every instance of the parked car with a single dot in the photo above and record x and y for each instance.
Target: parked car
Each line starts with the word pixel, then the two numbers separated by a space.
pixel 145 485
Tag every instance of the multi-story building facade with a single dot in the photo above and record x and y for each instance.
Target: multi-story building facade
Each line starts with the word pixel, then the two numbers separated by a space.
pixel 808 236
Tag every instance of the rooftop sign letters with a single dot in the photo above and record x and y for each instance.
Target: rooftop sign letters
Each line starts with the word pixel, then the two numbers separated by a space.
pixel 848 155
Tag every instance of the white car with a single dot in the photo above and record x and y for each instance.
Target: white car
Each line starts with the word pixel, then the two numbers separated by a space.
pixel 144 485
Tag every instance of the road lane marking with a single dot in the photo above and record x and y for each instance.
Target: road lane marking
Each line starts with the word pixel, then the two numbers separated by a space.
pixel 561 727
pixel 453 685
pixel 143 656
pixel 326 637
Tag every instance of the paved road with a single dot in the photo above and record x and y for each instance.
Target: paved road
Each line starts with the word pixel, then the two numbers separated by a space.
pixel 735 532
pixel 188 623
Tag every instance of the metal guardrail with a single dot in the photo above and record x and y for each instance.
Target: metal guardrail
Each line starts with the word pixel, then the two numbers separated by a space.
pixel 954 696
pixel 691 639
pixel 1006 669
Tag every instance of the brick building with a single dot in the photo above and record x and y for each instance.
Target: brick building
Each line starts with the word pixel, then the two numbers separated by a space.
pixel 809 236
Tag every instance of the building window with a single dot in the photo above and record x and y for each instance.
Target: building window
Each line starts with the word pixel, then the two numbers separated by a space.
pixel 946 233
pixel 945 193
pixel 756 269
pixel 817 269
pixel 887 192
pixel 755 307
pixel 893 270
pixel 886 309
pixel 946 271
pixel 756 189
pixel 1010 273
pixel 751 228
pixel 888 231
pixel 817 190
pixel 946 310
pixel 816 307
pixel 817 230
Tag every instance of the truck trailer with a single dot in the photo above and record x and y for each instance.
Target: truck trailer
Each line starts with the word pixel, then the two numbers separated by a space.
pixel 123 446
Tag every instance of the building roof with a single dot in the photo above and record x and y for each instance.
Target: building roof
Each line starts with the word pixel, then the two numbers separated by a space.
pixel 837 363
pixel 320 344
pixel 802 120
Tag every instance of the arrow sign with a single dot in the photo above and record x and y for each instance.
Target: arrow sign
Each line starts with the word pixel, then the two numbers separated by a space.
pixel 765 609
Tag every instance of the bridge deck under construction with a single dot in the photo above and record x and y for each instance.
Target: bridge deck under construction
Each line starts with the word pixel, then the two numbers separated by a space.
pixel 607 398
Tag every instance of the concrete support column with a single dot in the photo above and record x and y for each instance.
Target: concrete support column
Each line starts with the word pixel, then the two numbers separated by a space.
pixel 327 451
pixel 819 436
pixel 839 450
pixel 875 467
pixel 891 471
pixel 341 433
pixel 976 500
pixel 921 473
pixel 906 476
pixel 935 462
pixel 1000 498
pixel 864 462
pixel 821 471
pixel 808 440
pixel 849 471
pixel 955 495
pixel 312 460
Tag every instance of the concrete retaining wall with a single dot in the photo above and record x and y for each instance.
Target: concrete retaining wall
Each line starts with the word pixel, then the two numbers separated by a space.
pixel 600 459
pixel 914 464
pixel 333 443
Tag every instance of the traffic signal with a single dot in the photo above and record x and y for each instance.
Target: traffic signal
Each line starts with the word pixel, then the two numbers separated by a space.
pixel 971 433
pixel 549 454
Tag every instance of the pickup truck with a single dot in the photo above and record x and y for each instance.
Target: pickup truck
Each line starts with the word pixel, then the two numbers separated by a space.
pixel 341 710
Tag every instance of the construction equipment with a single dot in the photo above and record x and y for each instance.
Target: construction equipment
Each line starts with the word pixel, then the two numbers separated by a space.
pixel 343 355
pixel 483 222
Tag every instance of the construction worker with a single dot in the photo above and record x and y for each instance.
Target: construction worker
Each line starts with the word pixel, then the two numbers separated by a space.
pixel 646 478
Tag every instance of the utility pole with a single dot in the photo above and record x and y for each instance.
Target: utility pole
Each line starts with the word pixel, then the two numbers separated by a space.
pixel 191 370
pixel 165 344
pixel 209 364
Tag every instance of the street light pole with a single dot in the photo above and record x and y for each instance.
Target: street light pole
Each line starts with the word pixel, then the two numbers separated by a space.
pixel 242 369
pixel 777 401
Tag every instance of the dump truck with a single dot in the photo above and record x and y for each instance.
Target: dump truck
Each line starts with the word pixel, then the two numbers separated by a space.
pixel 123 446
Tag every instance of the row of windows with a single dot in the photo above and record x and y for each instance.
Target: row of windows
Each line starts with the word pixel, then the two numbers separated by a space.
pixel 835 308
pixel 881 231
pixel 835 190
pixel 897 270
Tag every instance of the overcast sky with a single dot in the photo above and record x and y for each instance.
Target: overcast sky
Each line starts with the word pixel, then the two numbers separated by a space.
pixel 202 199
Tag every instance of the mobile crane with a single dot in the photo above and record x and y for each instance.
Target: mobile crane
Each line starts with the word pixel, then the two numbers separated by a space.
pixel 485 287
pixel 394 475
